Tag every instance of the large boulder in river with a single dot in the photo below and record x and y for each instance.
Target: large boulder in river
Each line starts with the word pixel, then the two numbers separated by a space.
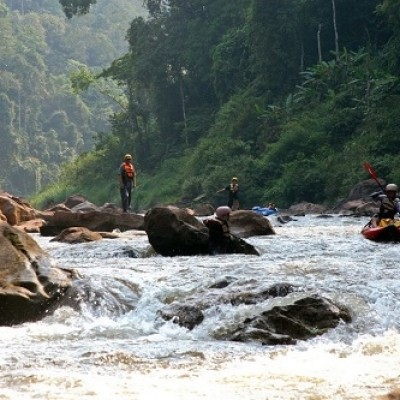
pixel 287 313
pixel 246 223
pixel 360 200
pixel 30 286
pixel 173 231
pixel 364 189
pixel 100 219
pixel 359 208
pixel 15 209
pixel 77 235
pixel 189 312
pixel 301 317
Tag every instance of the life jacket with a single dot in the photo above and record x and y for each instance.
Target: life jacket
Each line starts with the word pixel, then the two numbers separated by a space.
pixel 388 208
pixel 384 222
pixel 129 170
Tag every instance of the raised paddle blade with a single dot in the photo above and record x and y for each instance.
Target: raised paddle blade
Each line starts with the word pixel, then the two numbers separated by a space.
pixel 373 174
pixel 370 170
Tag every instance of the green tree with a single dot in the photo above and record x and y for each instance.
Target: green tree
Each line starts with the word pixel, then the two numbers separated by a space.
pixel 276 44
pixel 7 134
pixel 76 7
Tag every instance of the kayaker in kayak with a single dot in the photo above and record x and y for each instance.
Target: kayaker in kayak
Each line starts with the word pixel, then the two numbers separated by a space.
pixel 389 208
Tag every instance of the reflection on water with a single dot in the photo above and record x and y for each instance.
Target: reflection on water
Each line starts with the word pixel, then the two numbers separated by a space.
pixel 100 355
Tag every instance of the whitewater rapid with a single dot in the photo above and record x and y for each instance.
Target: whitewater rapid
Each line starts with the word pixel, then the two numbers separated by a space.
pixel 94 354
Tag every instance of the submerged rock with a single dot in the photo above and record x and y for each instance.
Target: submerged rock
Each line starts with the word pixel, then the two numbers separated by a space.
pixel 77 235
pixel 187 316
pixel 298 316
pixel 301 319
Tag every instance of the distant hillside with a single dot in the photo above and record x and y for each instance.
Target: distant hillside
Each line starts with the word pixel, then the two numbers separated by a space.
pixel 43 122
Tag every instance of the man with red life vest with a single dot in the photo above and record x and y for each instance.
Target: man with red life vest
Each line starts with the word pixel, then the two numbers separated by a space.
pixel 127 182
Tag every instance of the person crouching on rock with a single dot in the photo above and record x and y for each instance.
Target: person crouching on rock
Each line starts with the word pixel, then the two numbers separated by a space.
pixel 219 236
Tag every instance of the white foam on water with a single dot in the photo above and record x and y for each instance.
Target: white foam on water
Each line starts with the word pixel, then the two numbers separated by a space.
pixel 137 355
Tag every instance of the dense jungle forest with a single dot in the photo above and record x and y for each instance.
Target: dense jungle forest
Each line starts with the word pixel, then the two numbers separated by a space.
pixel 290 96
pixel 44 121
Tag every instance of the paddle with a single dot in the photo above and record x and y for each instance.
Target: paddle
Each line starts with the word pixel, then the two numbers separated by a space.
pixel 373 174
pixel 201 197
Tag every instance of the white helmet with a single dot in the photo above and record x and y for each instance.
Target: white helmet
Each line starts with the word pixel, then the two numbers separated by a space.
pixel 222 212
pixel 391 187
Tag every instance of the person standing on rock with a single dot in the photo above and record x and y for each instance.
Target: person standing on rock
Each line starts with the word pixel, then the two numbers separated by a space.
pixel 127 182
pixel 233 196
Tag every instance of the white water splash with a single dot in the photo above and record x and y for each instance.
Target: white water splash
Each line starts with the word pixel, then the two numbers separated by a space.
pixel 79 355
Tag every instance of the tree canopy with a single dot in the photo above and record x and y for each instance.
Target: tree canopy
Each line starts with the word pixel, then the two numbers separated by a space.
pixel 45 122
pixel 290 96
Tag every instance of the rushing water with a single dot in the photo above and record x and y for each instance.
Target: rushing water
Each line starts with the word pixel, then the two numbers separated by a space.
pixel 135 355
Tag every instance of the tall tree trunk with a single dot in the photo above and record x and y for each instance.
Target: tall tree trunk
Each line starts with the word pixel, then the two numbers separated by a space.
pixel 183 110
pixel 19 111
pixel 38 180
pixel 319 43
pixel 336 31
pixel 302 55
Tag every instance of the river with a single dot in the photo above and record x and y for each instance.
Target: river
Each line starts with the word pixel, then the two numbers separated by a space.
pixel 92 354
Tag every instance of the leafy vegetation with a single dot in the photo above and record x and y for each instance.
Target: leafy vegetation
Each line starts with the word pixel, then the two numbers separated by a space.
pixel 291 97
pixel 44 123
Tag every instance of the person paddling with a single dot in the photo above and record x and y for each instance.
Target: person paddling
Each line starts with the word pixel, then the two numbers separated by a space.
pixel 389 208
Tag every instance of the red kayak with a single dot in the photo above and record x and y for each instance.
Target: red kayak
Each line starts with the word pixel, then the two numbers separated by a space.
pixel 390 233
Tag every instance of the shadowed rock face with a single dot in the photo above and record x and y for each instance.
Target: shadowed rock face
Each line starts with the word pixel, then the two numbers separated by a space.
pixel 246 223
pixel 301 318
pixel 173 231
pixel 30 286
